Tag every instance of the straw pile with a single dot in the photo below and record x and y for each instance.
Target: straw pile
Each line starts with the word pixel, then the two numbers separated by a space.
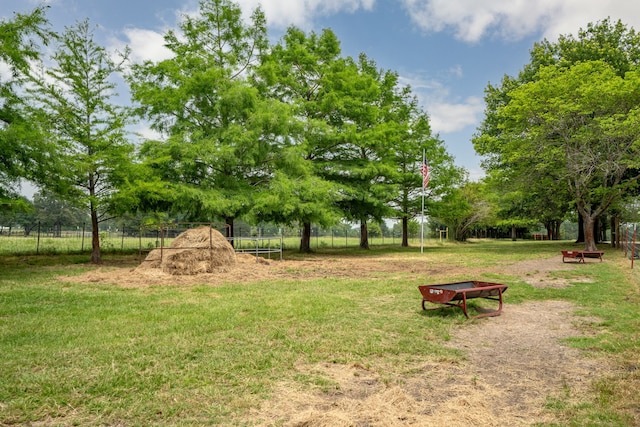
pixel 195 251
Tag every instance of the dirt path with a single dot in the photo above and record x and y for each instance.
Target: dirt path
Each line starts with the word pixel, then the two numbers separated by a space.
pixel 515 363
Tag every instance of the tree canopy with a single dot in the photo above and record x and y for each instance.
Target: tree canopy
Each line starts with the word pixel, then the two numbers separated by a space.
pixel 21 150
pixel 74 108
pixel 291 133
pixel 223 139
pixel 569 122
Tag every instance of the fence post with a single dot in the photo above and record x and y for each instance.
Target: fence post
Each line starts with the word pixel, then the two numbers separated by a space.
pixel 346 237
pixel 38 240
pixel 633 245
pixel 82 243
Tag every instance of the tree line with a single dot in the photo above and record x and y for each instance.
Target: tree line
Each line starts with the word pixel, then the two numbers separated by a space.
pixel 563 135
pixel 295 132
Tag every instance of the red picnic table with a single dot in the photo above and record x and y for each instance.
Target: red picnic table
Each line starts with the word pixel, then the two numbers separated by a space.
pixel 579 255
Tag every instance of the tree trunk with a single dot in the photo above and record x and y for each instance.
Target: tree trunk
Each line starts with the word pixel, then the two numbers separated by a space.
pixel 513 233
pixel 305 239
pixel 612 224
pixel 229 229
pixel 95 236
pixel 589 233
pixel 556 230
pixel 603 228
pixel 580 229
pixel 405 232
pixel 364 235
pixel 615 231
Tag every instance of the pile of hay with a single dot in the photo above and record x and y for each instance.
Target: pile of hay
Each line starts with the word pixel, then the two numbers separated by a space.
pixel 195 251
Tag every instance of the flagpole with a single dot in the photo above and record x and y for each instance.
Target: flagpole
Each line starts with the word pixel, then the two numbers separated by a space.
pixel 422 216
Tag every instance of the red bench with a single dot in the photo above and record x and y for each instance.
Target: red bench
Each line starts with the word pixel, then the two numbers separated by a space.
pixel 581 255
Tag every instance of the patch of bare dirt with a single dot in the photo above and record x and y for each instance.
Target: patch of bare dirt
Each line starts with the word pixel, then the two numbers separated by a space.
pixel 249 268
pixel 538 273
pixel 541 272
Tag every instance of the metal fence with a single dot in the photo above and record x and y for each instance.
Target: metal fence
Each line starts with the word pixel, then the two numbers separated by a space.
pixel 132 239
pixel 629 241
pixel 164 235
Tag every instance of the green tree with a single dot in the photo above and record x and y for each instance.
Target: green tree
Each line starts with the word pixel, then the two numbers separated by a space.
pixel 462 208
pixel 412 139
pixel 22 214
pixel 305 71
pixel 591 139
pixel 360 136
pixel 55 213
pixel 572 143
pixel 84 123
pixel 22 151
pixel 362 163
pixel 223 140
pixel 530 199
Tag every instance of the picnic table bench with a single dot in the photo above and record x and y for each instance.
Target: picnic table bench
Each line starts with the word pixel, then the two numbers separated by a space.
pixel 579 255
pixel 456 295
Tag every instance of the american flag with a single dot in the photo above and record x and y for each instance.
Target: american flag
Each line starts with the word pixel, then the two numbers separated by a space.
pixel 424 170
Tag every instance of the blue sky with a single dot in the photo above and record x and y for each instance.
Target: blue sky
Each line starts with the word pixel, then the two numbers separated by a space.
pixel 447 50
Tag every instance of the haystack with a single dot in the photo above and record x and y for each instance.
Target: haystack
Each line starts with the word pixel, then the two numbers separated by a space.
pixel 195 251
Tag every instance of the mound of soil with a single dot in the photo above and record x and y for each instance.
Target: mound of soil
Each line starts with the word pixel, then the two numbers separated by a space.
pixel 195 251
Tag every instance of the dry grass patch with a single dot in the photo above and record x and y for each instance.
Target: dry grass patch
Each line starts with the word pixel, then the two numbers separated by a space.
pixel 514 363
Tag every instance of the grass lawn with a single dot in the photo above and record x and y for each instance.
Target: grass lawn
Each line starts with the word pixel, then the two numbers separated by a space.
pixel 95 353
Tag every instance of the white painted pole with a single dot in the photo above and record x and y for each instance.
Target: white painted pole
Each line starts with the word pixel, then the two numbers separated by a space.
pixel 422 216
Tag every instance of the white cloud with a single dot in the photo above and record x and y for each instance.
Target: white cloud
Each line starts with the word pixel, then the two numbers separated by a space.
pixel 471 20
pixel 144 132
pixel 144 44
pixel 448 118
pixel 5 71
pixel 456 71
pixel 444 116
pixel 301 13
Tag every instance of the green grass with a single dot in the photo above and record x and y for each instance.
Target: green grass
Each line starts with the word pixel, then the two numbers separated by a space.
pixel 167 354
pixel 93 354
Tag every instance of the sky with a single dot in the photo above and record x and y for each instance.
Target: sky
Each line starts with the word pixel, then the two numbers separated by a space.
pixel 448 51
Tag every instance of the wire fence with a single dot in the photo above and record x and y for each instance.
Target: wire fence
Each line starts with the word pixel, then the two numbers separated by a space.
pixel 629 241
pixel 131 239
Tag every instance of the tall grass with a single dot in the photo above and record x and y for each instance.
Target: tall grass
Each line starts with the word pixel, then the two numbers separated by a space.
pixel 94 354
